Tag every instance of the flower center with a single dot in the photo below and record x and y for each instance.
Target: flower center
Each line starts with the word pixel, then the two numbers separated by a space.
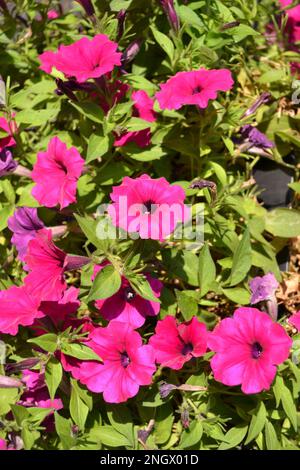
pixel 256 350
pixel 149 207
pixel 61 166
pixel 125 361
pixel 187 348
pixel 197 90
pixel 129 294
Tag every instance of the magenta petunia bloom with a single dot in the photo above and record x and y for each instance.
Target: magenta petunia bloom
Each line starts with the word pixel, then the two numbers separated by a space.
pixel 196 87
pixel 151 207
pixel 24 224
pixel 175 344
pixel 58 313
pixel 127 306
pixel 84 59
pixel 293 23
pixel 127 363
pixel 7 141
pixel 36 393
pixel 56 173
pixel 263 288
pixel 46 263
pixel 142 108
pixel 295 320
pixel 18 307
pixel 52 15
pixel 3 444
pixel 248 348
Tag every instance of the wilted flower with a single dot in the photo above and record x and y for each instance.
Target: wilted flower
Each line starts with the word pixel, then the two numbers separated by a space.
pixel 262 99
pixel 263 287
pixel 25 224
pixel 7 163
pixel 165 389
pixel 254 138
pixel 131 51
pixel 121 16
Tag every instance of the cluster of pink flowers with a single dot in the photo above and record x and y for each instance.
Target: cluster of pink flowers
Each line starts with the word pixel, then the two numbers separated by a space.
pixel 247 347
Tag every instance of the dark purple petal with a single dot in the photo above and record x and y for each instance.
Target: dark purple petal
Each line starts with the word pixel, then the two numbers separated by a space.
pixel 7 163
pixel 24 224
pixel 88 6
pixel 169 9
pixel 255 137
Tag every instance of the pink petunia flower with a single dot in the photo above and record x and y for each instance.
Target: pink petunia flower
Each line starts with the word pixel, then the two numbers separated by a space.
pixel 142 108
pixel 84 59
pixel 52 15
pixel 127 306
pixel 196 87
pixel 46 263
pixel 3 444
pixel 127 363
pixel 58 313
pixel 151 207
pixel 36 393
pixel 175 344
pixel 18 307
pixel 295 320
pixel 293 23
pixel 56 173
pixel 7 141
pixel 248 348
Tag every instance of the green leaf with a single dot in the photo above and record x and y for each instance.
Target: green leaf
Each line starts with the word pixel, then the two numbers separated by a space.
pixel 283 222
pixel 163 423
pixel 38 117
pixel 78 409
pixel 121 419
pixel 110 437
pixel 242 31
pixel 241 263
pixel 8 396
pixel 90 110
pixel 257 423
pixel 271 437
pixel 187 304
pixel 289 406
pixel 191 436
pixel 63 428
pixel 80 351
pixel 98 146
pixel 106 283
pixel 164 42
pixel 239 295
pixel 47 342
pixel 141 286
pixel 89 228
pixel 137 124
pixel 207 270
pixel 234 437
pixel 53 375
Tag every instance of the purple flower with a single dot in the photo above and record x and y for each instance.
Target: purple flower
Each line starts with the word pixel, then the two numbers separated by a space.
pixel 256 138
pixel 169 8
pixel 7 163
pixel 165 389
pixel 262 99
pixel 121 16
pixel 88 6
pixel 24 223
pixel 263 288
pixel 132 50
